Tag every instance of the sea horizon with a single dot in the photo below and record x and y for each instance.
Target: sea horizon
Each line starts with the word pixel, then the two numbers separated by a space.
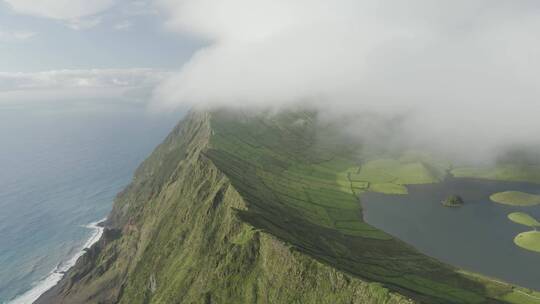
pixel 62 171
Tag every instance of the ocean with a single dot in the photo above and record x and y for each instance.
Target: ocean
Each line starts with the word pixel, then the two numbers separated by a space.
pixel 61 166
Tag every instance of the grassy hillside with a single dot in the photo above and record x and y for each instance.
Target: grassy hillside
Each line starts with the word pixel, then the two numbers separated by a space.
pixel 243 208
pixel 302 190
pixel 174 237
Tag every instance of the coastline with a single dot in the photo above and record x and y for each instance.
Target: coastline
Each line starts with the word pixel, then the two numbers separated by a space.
pixel 58 272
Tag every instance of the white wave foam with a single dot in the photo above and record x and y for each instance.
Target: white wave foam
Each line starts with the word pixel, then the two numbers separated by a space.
pixel 58 273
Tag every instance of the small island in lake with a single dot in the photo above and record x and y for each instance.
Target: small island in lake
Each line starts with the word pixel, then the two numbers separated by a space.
pixel 524 219
pixel 453 201
pixel 529 240
pixel 516 198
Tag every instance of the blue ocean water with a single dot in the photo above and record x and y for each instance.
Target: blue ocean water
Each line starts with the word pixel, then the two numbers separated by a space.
pixel 60 169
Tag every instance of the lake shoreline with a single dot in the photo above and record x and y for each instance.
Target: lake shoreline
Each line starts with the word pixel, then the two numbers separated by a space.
pixel 476 237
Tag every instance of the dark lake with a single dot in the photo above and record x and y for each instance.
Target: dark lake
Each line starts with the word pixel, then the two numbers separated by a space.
pixel 477 236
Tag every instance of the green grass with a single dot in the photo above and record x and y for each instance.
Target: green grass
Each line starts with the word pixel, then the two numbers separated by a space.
pixel 390 176
pixel 395 171
pixel 522 296
pixel 301 189
pixel 388 188
pixel 183 242
pixel 523 219
pixel 359 185
pixel 236 208
pixel 529 240
pixel 244 236
pixel 502 172
pixel 516 198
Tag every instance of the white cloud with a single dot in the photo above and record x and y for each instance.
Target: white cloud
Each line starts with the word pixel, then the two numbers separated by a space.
pixel 78 83
pixel 60 9
pixel 84 23
pixel 73 12
pixel 9 35
pixel 464 69
pixel 123 25
pixel 140 8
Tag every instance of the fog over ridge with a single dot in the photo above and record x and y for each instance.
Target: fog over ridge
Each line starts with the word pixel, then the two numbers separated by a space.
pixel 464 73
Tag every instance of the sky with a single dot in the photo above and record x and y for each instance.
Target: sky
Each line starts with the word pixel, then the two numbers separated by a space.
pixel 78 49
pixel 37 36
pixel 463 73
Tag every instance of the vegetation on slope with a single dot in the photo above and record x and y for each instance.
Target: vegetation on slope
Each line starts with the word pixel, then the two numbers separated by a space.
pixel 174 237
pixel 295 185
pixel 238 208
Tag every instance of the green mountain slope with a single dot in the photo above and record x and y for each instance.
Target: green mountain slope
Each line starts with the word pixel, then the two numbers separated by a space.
pixel 242 208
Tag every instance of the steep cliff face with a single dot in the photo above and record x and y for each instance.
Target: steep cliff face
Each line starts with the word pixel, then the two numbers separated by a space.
pixel 176 235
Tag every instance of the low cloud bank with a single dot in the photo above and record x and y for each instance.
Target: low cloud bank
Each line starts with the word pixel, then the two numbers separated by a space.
pixel 462 75
pixel 78 14
pixel 18 36
pixel 133 84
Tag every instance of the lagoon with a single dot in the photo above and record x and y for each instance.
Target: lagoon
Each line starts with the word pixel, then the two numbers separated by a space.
pixel 477 236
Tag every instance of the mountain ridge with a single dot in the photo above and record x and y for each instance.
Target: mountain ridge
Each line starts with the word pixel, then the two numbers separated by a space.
pixel 228 193
pixel 101 275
